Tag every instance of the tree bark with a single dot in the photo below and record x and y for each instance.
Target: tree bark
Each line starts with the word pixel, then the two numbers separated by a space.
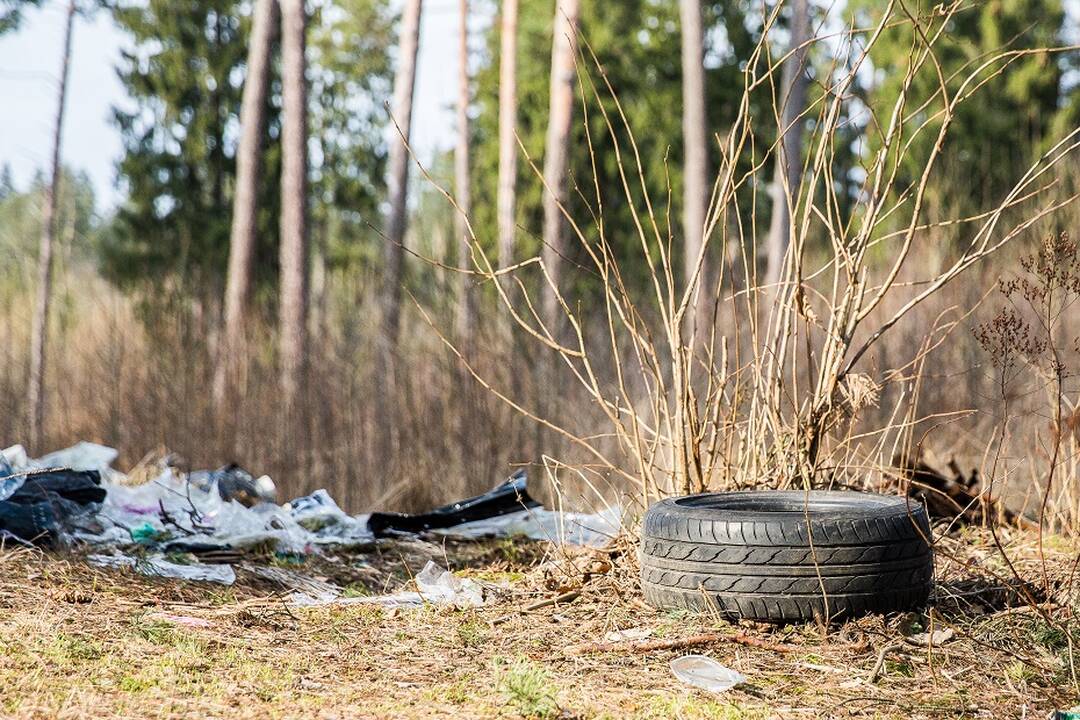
pixel 794 83
pixel 40 330
pixel 398 180
pixel 242 236
pixel 556 150
pixel 696 154
pixel 293 304
pixel 508 150
pixel 466 304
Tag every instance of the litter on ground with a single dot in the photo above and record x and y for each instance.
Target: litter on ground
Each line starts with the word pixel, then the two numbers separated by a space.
pixel 196 526
pixel 703 672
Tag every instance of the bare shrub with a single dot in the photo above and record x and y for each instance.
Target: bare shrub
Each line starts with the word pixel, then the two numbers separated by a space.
pixel 769 391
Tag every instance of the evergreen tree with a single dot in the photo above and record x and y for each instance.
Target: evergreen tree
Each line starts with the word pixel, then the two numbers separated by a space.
pixel 7 184
pixel 638 44
pixel 11 13
pixel 1000 129
pixel 20 226
pixel 182 73
pixel 351 79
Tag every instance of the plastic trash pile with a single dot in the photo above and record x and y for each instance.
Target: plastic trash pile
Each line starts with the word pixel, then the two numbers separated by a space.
pixel 74 496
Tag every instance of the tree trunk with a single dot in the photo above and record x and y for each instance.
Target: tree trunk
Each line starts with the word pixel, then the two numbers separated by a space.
pixel 40 330
pixel 508 150
pixel 466 304
pixel 556 150
pixel 696 154
pixel 242 237
pixel 293 304
pixel 398 180
pixel 794 84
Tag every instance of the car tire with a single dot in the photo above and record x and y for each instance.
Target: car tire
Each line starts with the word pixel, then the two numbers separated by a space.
pixel 787 556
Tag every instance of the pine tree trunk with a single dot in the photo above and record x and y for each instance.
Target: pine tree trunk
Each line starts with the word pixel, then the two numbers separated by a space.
pixel 40 329
pixel 696 155
pixel 466 304
pixel 244 221
pixel 793 88
pixel 556 150
pixel 293 305
pixel 398 179
pixel 508 150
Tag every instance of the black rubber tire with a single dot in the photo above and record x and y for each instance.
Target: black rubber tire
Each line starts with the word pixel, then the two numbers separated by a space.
pixel 787 556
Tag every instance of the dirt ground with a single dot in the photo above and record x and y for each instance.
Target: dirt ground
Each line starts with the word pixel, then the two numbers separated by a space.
pixel 82 642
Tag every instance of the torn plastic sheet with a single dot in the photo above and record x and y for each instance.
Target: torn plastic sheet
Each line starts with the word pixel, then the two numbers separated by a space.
pixel 175 512
pixel 509 497
pixel 15 457
pixel 175 515
pixel 434 585
pixel 506 510
pixel 158 566
pixel 561 528
pixel 81 456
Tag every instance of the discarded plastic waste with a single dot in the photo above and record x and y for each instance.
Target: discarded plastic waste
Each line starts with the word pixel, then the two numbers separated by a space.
pixel 511 496
pixel 158 566
pixel 15 456
pixel 505 511
pixel 561 528
pixel 316 591
pixel 434 585
pixel 207 512
pixel 235 483
pixel 703 672
pixel 319 514
pixel 147 534
pixel 173 514
pixel 40 505
pixel 80 456
pixel 5 467
pixel 401 599
pixel 9 481
pixel 442 587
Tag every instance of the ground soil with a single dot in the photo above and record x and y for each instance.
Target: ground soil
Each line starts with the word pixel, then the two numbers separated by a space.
pixel 82 642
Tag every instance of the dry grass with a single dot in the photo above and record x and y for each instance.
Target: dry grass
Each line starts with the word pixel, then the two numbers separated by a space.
pixel 759 396
pixel 82 642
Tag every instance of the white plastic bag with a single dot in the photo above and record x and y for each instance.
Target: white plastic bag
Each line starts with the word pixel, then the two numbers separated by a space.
pixel 158 566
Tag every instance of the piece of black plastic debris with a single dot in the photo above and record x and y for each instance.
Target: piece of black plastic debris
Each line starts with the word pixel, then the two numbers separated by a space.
pixel 507 497
pixel 235 483
pixel 40 508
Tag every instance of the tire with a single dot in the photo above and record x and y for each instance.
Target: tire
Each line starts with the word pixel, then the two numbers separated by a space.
pixel 787 556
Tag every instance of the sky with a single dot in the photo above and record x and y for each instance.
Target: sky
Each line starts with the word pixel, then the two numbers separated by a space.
pixel 29 68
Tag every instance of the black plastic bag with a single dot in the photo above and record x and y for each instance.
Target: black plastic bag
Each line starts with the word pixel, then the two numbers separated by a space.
pixel 39 510
pixel 507 497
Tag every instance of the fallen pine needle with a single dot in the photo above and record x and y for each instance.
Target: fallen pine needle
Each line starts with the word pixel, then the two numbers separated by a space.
pixel 691 641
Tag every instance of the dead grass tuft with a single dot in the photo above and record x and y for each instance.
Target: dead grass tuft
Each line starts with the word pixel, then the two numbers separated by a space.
pixel 76 642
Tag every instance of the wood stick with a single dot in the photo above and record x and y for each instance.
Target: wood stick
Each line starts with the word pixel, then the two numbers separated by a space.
pixel 879 664
pixel 675 644
pixel 566 597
